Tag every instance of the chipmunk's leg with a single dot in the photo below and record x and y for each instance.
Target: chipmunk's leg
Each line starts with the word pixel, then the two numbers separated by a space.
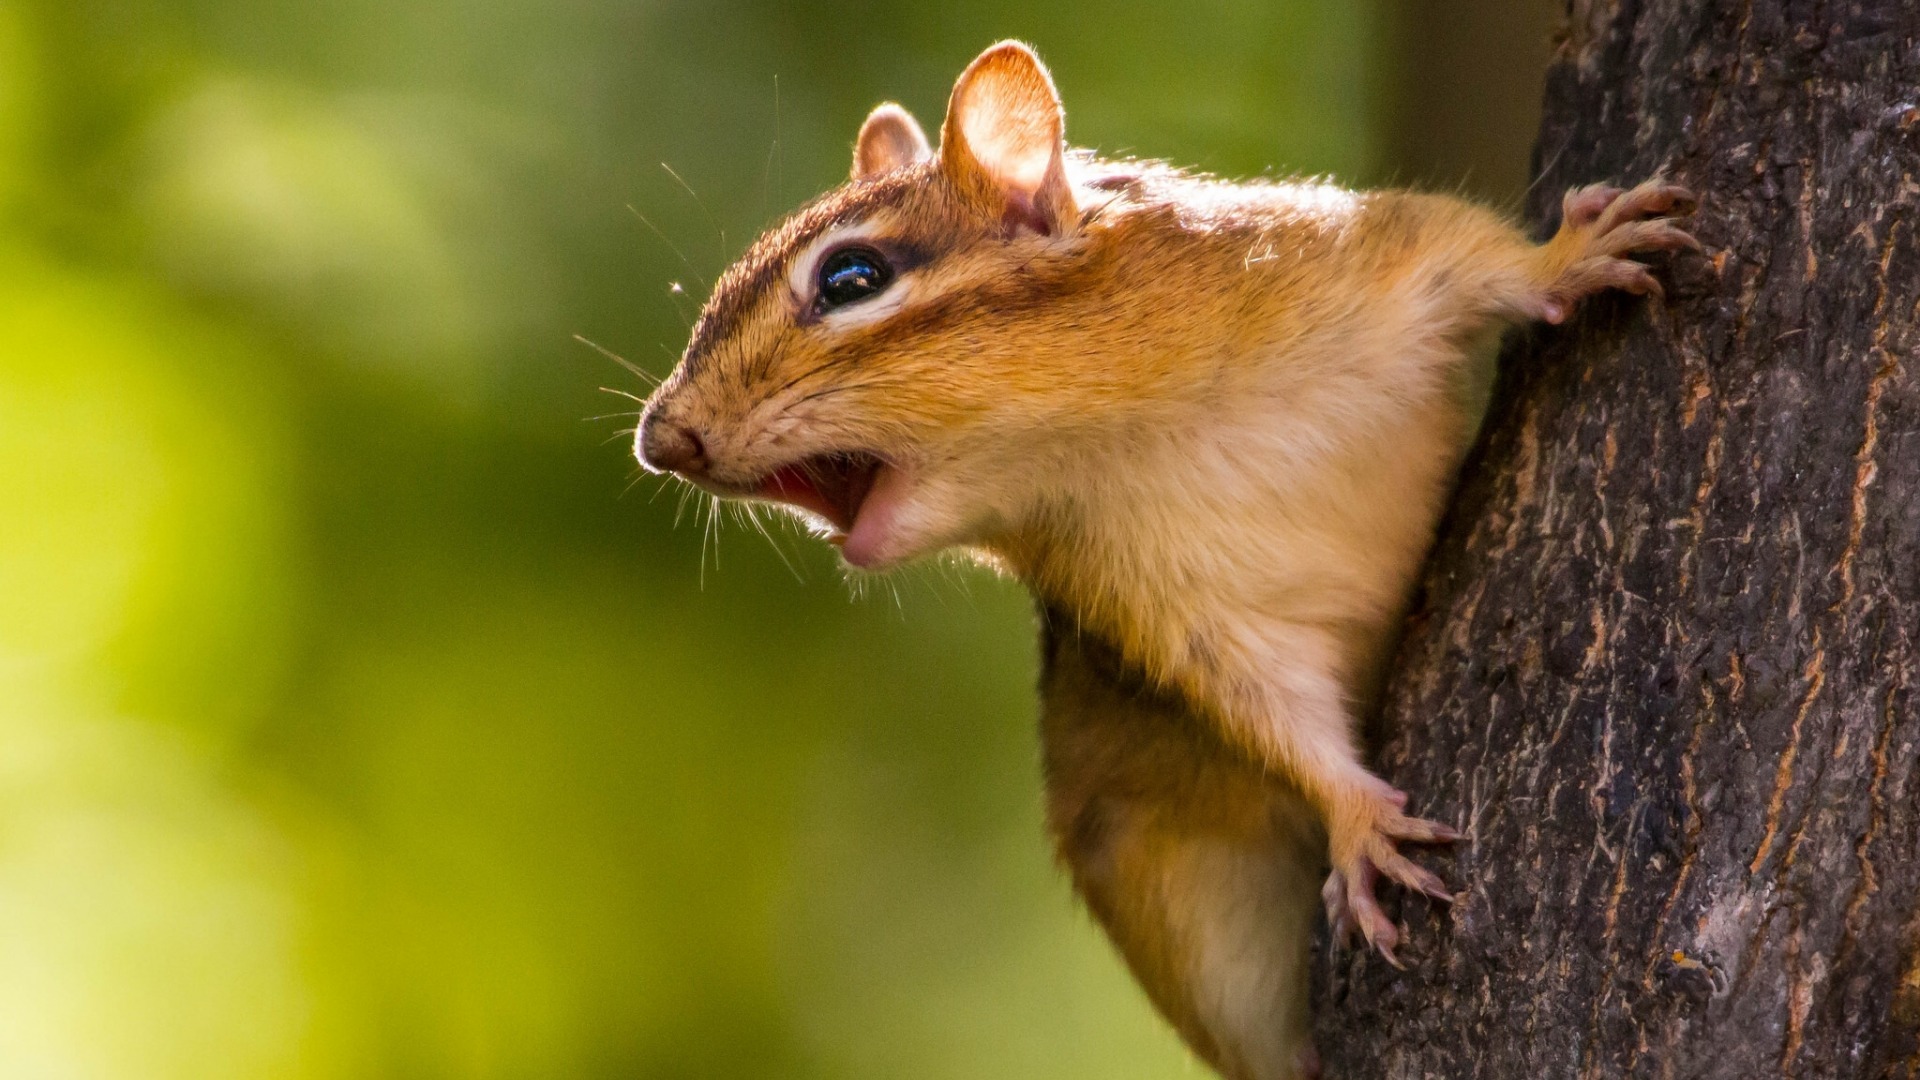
pixel 1452 269
pixel 1285 702
pixel 1599 227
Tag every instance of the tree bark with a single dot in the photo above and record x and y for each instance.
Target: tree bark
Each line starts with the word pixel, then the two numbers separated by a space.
pixel 1664 671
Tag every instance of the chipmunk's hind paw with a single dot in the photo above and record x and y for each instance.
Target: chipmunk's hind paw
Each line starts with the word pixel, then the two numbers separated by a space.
pixel 1362 859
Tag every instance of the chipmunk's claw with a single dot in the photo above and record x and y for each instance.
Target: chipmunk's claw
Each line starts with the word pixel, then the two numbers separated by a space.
pixel 1351 906
pixel 1363 857
pixel 1582 206
pixel 1604 225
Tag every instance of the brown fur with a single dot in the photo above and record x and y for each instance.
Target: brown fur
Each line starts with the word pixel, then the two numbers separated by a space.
pixel 1169 837
pixel 1210 423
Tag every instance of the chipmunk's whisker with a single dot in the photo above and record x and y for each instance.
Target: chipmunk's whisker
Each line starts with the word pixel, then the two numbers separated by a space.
pixel 826 365
pixel 671 246
pixel 710 530
pixel 702 204
pixel 639 372
pixel 677 293
pixel 843 388
pixel 687 491
pixel 751 513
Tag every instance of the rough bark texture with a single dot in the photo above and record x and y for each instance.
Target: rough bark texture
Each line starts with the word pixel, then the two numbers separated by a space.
pixel 1665 670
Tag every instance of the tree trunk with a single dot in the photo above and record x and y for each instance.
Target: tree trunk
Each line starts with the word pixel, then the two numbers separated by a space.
pixel 1664 672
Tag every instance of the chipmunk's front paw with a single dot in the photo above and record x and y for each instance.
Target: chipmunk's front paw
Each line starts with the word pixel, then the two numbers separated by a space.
pixel 1364 847
pixel 1599 227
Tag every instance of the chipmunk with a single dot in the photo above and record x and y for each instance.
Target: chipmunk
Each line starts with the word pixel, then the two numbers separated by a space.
pixel 1210 425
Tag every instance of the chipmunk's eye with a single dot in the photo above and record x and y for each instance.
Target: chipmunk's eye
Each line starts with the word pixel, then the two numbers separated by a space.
pixel 850 274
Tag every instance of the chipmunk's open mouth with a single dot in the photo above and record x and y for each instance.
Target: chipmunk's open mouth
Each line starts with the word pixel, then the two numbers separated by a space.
pixel 832 485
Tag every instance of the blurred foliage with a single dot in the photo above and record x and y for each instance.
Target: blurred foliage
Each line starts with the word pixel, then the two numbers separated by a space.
pixel 360 716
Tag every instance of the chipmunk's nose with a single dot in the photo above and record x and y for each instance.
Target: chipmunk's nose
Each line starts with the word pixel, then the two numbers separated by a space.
pixel 665 446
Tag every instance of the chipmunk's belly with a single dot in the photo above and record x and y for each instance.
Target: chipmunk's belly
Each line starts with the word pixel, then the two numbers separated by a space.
pixel 1342 547
pixel 1235 529
pixel 1357 530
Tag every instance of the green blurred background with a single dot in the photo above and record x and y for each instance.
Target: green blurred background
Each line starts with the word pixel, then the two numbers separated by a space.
pixel 360 716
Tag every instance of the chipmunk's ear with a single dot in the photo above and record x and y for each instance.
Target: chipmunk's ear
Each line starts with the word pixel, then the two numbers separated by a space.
pixel 1001 144
pixel 890 138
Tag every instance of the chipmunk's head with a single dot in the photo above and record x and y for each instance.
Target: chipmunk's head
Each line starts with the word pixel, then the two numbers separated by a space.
pixel 880 360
